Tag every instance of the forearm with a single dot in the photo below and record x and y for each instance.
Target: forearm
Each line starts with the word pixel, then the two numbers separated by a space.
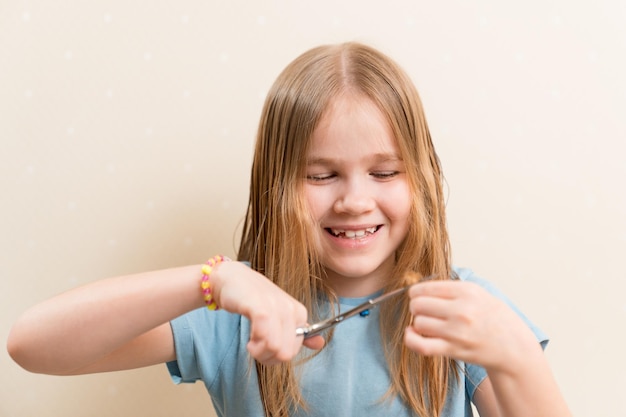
pixel 528 388
pixel 81 326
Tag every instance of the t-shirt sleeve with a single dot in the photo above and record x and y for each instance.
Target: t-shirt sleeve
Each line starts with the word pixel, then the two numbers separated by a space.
pixel 184 346
pixel 201 340
pixel 475 374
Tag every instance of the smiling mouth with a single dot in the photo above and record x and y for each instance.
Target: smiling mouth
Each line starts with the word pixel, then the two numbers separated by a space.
pixel 352 234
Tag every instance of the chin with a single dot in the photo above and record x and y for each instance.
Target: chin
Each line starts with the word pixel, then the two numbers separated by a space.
pixel 354 269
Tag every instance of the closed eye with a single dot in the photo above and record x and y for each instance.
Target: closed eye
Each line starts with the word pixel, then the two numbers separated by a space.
pixel 320 177
pixel 385 175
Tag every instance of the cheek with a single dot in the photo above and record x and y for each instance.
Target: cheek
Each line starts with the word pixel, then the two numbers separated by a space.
pixel 315 202
pixel 397 203
pixel 315 213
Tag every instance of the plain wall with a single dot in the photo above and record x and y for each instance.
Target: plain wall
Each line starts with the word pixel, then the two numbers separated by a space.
pixel 127 128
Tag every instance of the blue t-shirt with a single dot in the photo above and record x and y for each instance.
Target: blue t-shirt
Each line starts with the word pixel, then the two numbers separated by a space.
pixel 348 377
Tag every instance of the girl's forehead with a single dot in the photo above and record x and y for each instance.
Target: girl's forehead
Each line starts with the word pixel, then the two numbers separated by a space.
pixel 353 126
pixel 349 103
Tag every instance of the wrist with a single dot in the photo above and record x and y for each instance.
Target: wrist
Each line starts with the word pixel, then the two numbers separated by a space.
pixel 520 354
pixel 208 287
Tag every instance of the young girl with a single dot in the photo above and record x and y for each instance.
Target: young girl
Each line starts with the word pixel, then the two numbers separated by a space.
pixel 345 198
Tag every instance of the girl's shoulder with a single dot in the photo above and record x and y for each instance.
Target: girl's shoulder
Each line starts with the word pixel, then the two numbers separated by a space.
pixel 468 275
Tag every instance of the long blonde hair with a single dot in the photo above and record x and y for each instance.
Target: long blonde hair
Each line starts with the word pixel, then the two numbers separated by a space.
pixel 275 239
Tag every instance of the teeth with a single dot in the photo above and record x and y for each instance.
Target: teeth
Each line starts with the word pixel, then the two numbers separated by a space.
pixel 353 234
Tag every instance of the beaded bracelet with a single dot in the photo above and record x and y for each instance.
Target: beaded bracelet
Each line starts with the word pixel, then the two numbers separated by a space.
pixel 207 268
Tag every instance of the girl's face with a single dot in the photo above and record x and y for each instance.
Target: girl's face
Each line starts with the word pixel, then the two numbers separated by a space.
pixel 358 192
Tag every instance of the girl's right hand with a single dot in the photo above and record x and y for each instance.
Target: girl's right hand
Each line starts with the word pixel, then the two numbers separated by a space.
pixel 274 315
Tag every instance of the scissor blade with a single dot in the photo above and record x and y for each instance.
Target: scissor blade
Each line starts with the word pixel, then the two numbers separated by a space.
pixel 316 328
pixel 393 293
pixel 381 298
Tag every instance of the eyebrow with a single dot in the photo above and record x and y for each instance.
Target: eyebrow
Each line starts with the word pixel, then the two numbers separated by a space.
pixel 377 158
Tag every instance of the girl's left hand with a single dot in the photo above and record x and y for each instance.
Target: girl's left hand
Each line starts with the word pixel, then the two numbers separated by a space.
pixel 462 320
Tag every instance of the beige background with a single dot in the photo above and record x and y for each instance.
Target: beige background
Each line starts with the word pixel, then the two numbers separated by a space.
pixel 126 134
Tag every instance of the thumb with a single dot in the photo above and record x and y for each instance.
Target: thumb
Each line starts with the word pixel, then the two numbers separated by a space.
pixel 315 342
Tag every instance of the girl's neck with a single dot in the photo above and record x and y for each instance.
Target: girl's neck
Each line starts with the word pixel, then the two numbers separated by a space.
pixel 360 286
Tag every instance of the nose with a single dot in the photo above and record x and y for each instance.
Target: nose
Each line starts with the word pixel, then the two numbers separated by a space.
pixel 355 197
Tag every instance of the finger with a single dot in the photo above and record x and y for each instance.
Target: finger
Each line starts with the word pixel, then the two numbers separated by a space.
pixel 430 306
pixel 259 348
pixel 269 352
pixel 291 344
pixel 430 326
pixel 428 346
pixel 264 344
pixel 441 289
pixel 458 340
pixel 257 351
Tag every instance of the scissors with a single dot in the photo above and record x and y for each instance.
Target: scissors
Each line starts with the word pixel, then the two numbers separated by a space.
pixel 317 328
